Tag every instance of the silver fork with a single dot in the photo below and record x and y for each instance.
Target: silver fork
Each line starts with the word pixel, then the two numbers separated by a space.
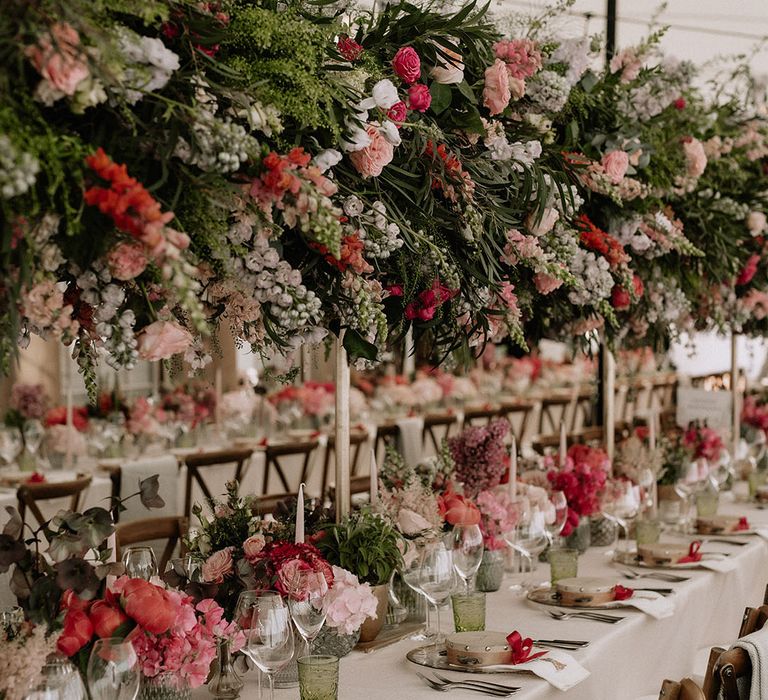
pixel 464 685
pixel 500 686
pixel 596 617
pixel 659 576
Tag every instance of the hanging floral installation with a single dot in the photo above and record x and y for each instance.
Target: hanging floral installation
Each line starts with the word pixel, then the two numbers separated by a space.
pixel 170 165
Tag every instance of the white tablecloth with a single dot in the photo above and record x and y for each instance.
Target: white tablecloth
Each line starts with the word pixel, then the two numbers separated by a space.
pixel 626 660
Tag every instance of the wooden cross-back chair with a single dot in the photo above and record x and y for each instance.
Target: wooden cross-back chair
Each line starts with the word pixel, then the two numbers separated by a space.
pixel 519 414
pixel 198 463
pixel 584 408
pixel 267 505
pixel 482 415
pixel 357 485
pixel 357 438
pixel 555 409
pixel 29 495
pixel 170 528
pixel 275 454
pixel 686 689
pixel 386 435
pixel 433 422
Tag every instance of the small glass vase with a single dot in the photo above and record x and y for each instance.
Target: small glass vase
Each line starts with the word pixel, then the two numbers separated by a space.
pixel 414 603
pixel 164 686
pixel 491 571
pixel 224 682
pixel 602 532
pixel 580 538
pixel 396 611
pixel 331 642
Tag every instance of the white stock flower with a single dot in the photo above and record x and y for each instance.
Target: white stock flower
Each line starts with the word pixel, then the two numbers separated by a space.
pixel 390 132
pixel 326 159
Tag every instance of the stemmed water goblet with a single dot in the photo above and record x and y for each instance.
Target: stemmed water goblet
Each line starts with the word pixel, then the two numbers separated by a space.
pixel 247 602
pixel 113 670
pixel 410 574
pixel 140 562
pixel 436 579
pixel 620 503
pixel 269 640
pixel 306 602
pixel 554 525
pixel 467 550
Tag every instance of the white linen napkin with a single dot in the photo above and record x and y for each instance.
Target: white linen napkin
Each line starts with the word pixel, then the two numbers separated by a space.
pixel 762 532
pixel 721 565
pixel 756 645
pixel 651 603
pixel 560 677
pixel 409 439
pixel 167 468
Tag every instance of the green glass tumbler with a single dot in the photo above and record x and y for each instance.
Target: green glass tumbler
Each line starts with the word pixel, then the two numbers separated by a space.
pixel 318 677
pixel 563 563
pixel 647 531
pixel 469 611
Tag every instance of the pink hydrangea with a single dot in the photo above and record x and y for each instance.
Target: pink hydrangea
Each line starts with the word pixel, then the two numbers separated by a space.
pixel 349 603
pixel 30 400
pixel 521 57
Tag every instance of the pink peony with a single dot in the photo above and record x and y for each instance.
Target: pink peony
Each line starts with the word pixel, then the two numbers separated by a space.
pixel 419 97
pixel 496 93
pixel 58 58
pixel 252 547
pixel 521 56
pixel 407 64
pixel 127 260
pixel 615 164
pixel 695 157
pixel 218 565
pixel 163 339
pixel 372 159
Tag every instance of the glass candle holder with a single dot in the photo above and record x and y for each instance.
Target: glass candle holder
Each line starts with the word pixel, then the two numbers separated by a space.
pixel 706 503
pixel 318 677
pixel 563 563
pixel 469 611
pixel 647 531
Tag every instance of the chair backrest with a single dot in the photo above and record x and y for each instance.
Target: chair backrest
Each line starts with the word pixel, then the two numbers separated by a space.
pixel 171 528
pixel 686 689
pixel 197 463
pixel 357 438
pixel 553 410
pixel 753 619
pixel 519 414
pixel 357 485
pixel 731 666
pixel 433 421
pixel 479 416
pixel 543 442
pixel 28 495
pixel 386 434
pixel 267 505
pixel 275 456
pixel 583 409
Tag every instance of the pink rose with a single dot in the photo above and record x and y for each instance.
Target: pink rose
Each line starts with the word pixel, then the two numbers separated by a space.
pixel 311 581
pixel 407 64
pixel 546 284
pixel 58 58
pixel 615 164
pixel 397 113
pixel 695 157
pixel 419 97
pixel 372 159
pixel 127 260
pixel 496 93
pixel 217 566
pixel 252 547
pixel 163 339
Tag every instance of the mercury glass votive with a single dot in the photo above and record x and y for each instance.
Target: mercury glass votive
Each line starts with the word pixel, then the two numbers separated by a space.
pixel 469 611
pixel 318 677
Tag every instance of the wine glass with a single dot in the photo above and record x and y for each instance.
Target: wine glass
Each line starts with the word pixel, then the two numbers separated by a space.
pixel 10 445
pixel 113 670
pixel 620 503
pixel 410 574
pixel 33 436
pixel 246 603
pixel 467 551
pixel 531 539
pixel 306 601
pixel 436 579
pixel 269 639
pixel 554 526
pixel 140 562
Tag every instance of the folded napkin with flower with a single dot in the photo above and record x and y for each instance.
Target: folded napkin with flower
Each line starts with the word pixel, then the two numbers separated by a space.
pixel 695 556
pixel 495 652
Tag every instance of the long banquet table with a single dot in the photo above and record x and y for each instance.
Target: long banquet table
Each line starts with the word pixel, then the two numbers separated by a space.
pixel 626 660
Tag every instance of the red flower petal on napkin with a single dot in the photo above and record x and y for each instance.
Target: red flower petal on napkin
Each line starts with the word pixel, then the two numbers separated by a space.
pixel 693 553
pixel 622 592
pixel 521 648
pixel 36 478
pixel 263 442
pixel 743 524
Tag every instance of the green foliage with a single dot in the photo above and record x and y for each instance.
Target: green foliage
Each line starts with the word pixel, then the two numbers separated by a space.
pixel 365 544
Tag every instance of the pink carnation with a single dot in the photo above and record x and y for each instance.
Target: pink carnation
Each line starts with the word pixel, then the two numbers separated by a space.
pixel 695 157
pixel 127 261
pixel 496 93
pixel 407 64
pixel 371 160
pixel 546 284
pixel 521 57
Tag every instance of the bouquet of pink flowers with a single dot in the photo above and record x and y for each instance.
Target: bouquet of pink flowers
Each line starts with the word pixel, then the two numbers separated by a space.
pixel 581 479
pixel 497 516
pixel 755 414
pixel 480 456
pixel 703 442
